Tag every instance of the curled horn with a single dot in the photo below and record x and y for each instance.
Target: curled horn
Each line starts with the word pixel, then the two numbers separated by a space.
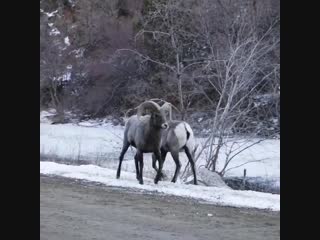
pixel 126 113
pixel 161 100
pixel 167 107
pixel 147 105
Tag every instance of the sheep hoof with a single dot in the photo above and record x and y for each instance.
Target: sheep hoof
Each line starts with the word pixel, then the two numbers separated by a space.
pixel 118 176
pixel 141 182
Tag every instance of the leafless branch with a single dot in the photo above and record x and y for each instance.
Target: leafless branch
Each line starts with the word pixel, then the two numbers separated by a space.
pixel 260 160
pixel 147 58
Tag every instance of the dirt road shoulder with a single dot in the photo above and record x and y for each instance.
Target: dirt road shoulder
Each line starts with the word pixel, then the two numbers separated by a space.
pixel 71 209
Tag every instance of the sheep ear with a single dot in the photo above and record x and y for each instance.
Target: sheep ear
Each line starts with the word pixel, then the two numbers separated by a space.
pixel 168 108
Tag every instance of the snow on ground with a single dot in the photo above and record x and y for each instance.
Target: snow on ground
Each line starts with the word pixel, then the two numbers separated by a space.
pixel 218 196
pixel 52 14
pixel 54 32
pixel 267 155
pixel 44 115
pixel 102 142
pixel 67 41
pixel 72 141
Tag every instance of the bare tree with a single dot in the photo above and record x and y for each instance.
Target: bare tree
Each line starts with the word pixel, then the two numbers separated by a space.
pixel 229 70
pixel 237 75
pixel 194 53
pixel 52 63
pixel 165 25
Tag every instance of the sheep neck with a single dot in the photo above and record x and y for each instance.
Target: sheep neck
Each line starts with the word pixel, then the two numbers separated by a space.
pixel 153 133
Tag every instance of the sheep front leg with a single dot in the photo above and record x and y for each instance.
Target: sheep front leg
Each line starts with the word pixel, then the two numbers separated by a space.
pixel 175 156
pixel 159 172
pixel 136 161
pixel 154 162
pixel 139 158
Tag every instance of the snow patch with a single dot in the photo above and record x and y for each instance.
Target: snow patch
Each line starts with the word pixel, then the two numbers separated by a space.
pixel 54 32
pixel 52 14
pixel 45 115
pixel 78 52
pixel 214 195
pixel 66 77
pixel 67 41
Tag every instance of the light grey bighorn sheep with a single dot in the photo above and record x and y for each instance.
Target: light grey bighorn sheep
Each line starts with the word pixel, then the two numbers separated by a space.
pixel 176 138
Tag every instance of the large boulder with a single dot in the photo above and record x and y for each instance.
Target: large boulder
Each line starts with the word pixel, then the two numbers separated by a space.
pixel 210 178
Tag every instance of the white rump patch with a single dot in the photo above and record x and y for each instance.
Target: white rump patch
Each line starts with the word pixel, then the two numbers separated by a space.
pixel 181 134
pixel 191 142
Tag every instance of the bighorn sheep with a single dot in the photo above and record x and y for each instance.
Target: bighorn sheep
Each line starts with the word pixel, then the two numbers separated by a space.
pixel 176 138
pixel 144 133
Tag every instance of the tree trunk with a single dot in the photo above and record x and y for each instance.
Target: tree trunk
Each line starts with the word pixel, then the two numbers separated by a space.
pixel 182 109
pixel 58 105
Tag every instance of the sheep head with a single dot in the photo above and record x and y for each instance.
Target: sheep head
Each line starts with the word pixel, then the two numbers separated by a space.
pixel 167 108
pixel 158 115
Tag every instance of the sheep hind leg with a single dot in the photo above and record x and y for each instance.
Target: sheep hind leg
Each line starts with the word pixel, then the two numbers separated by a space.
pixel 123 152
pixel 175 156
pixel 191 160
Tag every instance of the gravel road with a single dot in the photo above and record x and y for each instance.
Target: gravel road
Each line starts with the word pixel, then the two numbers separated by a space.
pixel 73 209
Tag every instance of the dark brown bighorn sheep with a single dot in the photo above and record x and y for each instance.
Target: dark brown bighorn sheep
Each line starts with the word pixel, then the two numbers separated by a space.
pixel 144 133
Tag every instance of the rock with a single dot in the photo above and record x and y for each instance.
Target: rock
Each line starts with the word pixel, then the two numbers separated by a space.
pixel 259 184
pixel 211 178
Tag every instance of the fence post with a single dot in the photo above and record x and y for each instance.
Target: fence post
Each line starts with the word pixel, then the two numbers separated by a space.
pixel 244 179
